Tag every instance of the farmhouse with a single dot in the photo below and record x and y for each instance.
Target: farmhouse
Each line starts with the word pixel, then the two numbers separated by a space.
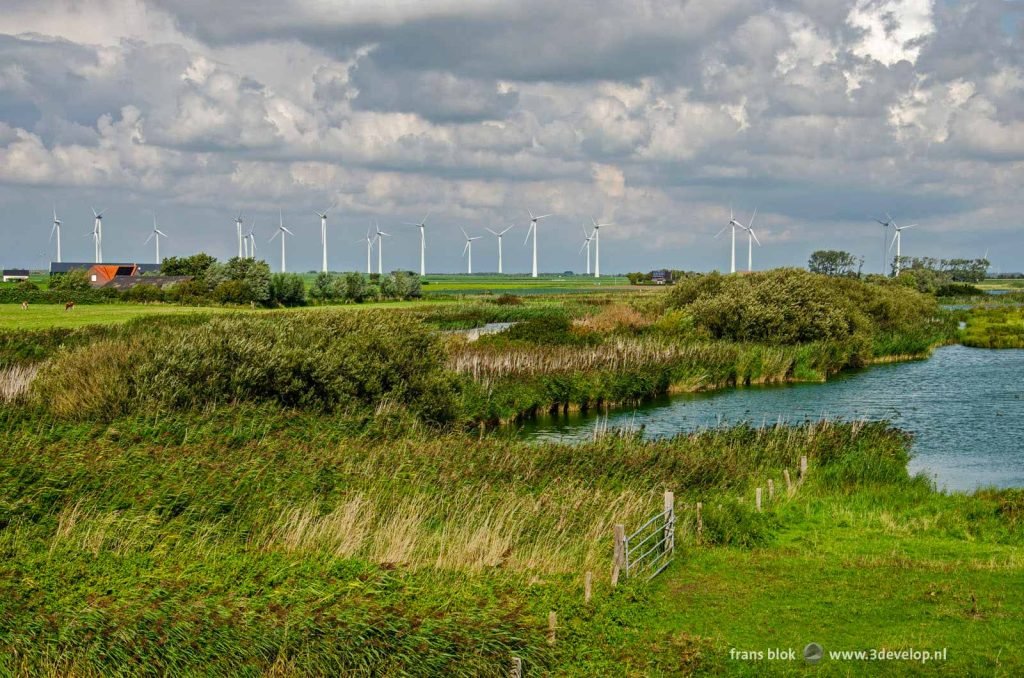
pixel 101 274
pixel 15 274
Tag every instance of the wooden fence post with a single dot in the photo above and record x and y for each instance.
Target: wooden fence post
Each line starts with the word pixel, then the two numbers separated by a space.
pixel 757 499
pixel 517 668
pixel 670 521
pixel 619 559
pixel 552 618
pixel 789 482
pixel 588 586
pixel 803 468
pixel 771 489
pixel 700 521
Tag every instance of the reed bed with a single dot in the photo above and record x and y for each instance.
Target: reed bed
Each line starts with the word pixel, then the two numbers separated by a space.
pixel 15 382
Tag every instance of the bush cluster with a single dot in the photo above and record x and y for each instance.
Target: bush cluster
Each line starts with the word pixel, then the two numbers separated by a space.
pixel 793 306
pixel 356 288
pixel 322 362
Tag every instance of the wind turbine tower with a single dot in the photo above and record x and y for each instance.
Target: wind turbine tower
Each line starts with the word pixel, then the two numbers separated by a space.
pixel 380 248
pixel 468 249
pixel 597 246
pixel 533 230
pixel 323 239
pixel 156 235
pixel 422 225
pixel 885 238
pixel 56 229
pixel 250 241
pixel 751 239
pixel 587 237
pixel 282 231
pixel 733 224
pixel 498 235
pixel 238 230
pixel 897 240
pixel 97 234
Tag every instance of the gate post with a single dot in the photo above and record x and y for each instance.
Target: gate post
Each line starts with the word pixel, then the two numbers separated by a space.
pixel 619 559
pixel 670 521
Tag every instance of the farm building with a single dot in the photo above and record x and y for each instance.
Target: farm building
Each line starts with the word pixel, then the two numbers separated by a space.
pixel 15 274
pixel 661 277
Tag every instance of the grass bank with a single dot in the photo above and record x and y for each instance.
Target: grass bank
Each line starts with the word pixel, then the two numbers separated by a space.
pixel 262 541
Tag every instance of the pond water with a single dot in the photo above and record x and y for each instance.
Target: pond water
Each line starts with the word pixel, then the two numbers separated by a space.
pixel 965 407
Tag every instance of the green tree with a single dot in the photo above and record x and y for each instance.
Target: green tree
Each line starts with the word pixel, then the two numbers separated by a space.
pixel 74 280
pixel 287 289
pixel 195 265
pixel 324 287
pixel 356 289
pixel 832 262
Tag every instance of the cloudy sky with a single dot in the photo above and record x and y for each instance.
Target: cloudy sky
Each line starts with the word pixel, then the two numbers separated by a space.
pixel 654 114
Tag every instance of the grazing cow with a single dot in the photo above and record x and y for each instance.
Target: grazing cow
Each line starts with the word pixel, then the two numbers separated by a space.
pixel 69 306
pixel 24 306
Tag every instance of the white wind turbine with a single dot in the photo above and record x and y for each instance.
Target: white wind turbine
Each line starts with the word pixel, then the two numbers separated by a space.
pixel 733 224
pixel 380 248
pixel 369 250
pixel 468 249
pixel 282 231
pixel 422 225
pixel 533 230
pixel 751 239
pixel 498 235
pixel 323 239
pixel 587 237
pixel 97 234
pixel 597 246
pixel 885 238
pixel 56 229
pixel 897 240
pixel 156 235
pixel 249 241
pixel 238 230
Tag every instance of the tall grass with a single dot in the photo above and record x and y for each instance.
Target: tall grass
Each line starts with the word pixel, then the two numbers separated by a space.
pixel 15 382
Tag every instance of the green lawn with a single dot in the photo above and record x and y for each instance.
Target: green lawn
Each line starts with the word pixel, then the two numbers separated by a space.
pixel 39 316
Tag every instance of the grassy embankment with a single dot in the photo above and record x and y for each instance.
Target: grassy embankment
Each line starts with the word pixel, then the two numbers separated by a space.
pixel 258 540
pixel 1000 327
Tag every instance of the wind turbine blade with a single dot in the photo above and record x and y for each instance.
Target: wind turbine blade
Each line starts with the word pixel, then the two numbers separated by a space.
pixel 285 229
pixel 903 228
pixel 530 213
pixel 54 228
pixel 490 231
pixel 755 237
pixel 894 237
pixel 528 231
pixel 723 230
pixel 464 249
pixel 752 217
pixel 149 238
pixel 582 247
pixel 507 229
pixel 276 233
pixel 464 232
pixel 541 217
pixel 161 233
pixel 425 217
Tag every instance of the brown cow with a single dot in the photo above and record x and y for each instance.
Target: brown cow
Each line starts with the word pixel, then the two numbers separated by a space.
pixel 69 306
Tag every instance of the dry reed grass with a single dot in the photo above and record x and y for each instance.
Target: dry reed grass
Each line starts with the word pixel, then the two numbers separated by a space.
pixel 15 382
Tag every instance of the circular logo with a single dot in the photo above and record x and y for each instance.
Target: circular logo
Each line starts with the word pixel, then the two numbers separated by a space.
pixel 813 653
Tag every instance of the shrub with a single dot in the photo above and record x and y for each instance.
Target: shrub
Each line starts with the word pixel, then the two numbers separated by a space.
pixel 287 289
pixel 321 362
pixel 507 300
